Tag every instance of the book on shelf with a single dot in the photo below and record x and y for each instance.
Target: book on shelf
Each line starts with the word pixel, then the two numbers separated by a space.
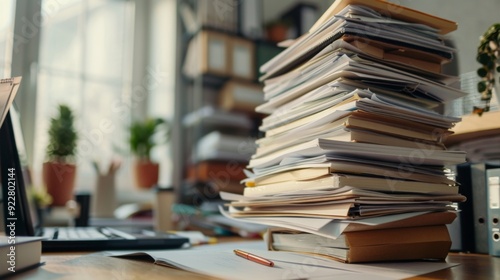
pixel 405 243
pixel 19 254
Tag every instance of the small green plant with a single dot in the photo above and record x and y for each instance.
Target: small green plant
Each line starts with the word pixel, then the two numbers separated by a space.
pixel 62 136
pixel 40 197
pixel 142 136
pixel 488 54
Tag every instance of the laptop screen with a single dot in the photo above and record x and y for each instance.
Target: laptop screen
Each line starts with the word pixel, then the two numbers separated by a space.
pixel 17 217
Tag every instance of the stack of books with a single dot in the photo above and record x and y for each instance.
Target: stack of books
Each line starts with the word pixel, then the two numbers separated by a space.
pixel 353 155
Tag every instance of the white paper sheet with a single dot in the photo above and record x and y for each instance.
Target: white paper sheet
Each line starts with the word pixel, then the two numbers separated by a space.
pixel 220 261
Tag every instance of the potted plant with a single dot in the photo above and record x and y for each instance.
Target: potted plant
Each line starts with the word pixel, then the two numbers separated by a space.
pixel 59 171
pixel 488 55
pixel 277 30
pixel 142 140
pixel 41 200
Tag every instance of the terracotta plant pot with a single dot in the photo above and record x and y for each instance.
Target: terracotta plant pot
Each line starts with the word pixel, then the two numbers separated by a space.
pixel 277 32
pixel 59 178
pixel 146 174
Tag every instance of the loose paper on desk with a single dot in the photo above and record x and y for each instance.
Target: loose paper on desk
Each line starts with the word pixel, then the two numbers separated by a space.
pixel 220 261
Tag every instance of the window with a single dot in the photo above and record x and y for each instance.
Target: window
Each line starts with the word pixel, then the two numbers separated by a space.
pixel 161 57
pixel 93 56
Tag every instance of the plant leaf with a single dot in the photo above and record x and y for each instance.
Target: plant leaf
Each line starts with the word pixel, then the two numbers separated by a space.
pixel 482 72
pixel 483 58
pixel 478 110
pixel 481 86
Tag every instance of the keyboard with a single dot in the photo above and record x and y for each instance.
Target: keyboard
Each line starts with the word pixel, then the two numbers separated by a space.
pixel 107 238
pixel 97 233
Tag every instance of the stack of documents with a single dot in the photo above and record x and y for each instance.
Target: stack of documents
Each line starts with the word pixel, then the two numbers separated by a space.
pixel 352 131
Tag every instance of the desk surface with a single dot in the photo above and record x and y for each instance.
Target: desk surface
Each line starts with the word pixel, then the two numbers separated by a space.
pixel 86 266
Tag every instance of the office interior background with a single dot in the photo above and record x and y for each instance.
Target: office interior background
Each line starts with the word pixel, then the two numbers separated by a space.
pixel 121 60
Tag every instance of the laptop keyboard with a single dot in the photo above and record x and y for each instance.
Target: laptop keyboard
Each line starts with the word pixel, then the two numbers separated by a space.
pixel 79 234
pixel 106 238
pixel 83 233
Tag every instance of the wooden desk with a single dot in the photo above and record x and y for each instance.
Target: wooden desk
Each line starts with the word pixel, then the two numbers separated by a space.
pixel 94 267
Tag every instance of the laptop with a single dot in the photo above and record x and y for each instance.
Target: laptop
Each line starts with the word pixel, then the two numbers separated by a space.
pixel 19 218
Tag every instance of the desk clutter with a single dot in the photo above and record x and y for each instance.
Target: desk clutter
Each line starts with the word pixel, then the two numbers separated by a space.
pixel 352 164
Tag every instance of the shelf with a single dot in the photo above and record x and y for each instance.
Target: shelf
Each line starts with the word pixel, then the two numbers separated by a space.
pixel 474 127
pixel 207 80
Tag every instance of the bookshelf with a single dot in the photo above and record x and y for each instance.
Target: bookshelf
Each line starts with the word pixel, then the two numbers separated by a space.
pixel 217 89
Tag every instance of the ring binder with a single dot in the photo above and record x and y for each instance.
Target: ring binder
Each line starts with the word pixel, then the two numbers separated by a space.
pixel 493 191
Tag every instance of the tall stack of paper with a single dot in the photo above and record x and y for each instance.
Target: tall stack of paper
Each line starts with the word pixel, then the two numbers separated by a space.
pixel 352 136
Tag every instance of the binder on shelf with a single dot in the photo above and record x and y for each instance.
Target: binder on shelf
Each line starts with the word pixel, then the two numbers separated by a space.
pixel 220 14
pixel 479 198
pixel 479 211
pixel 242 58
pixel 467 232
pixel 493 191
pixel 188 18
pixel 473 212
pixel 207 54
pixel 219 54
pixel 243 97
pixel 250 18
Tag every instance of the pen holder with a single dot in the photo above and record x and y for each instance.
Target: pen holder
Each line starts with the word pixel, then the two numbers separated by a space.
pixel 105 199
pixel 165 199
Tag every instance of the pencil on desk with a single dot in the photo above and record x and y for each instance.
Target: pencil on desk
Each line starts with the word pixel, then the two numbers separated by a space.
pixel 254 258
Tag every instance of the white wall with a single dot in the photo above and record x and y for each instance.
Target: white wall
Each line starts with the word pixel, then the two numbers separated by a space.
pixel 271 8
pixel 473 18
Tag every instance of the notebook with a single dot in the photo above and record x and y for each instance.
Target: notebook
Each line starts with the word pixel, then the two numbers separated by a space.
pixel 19 218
